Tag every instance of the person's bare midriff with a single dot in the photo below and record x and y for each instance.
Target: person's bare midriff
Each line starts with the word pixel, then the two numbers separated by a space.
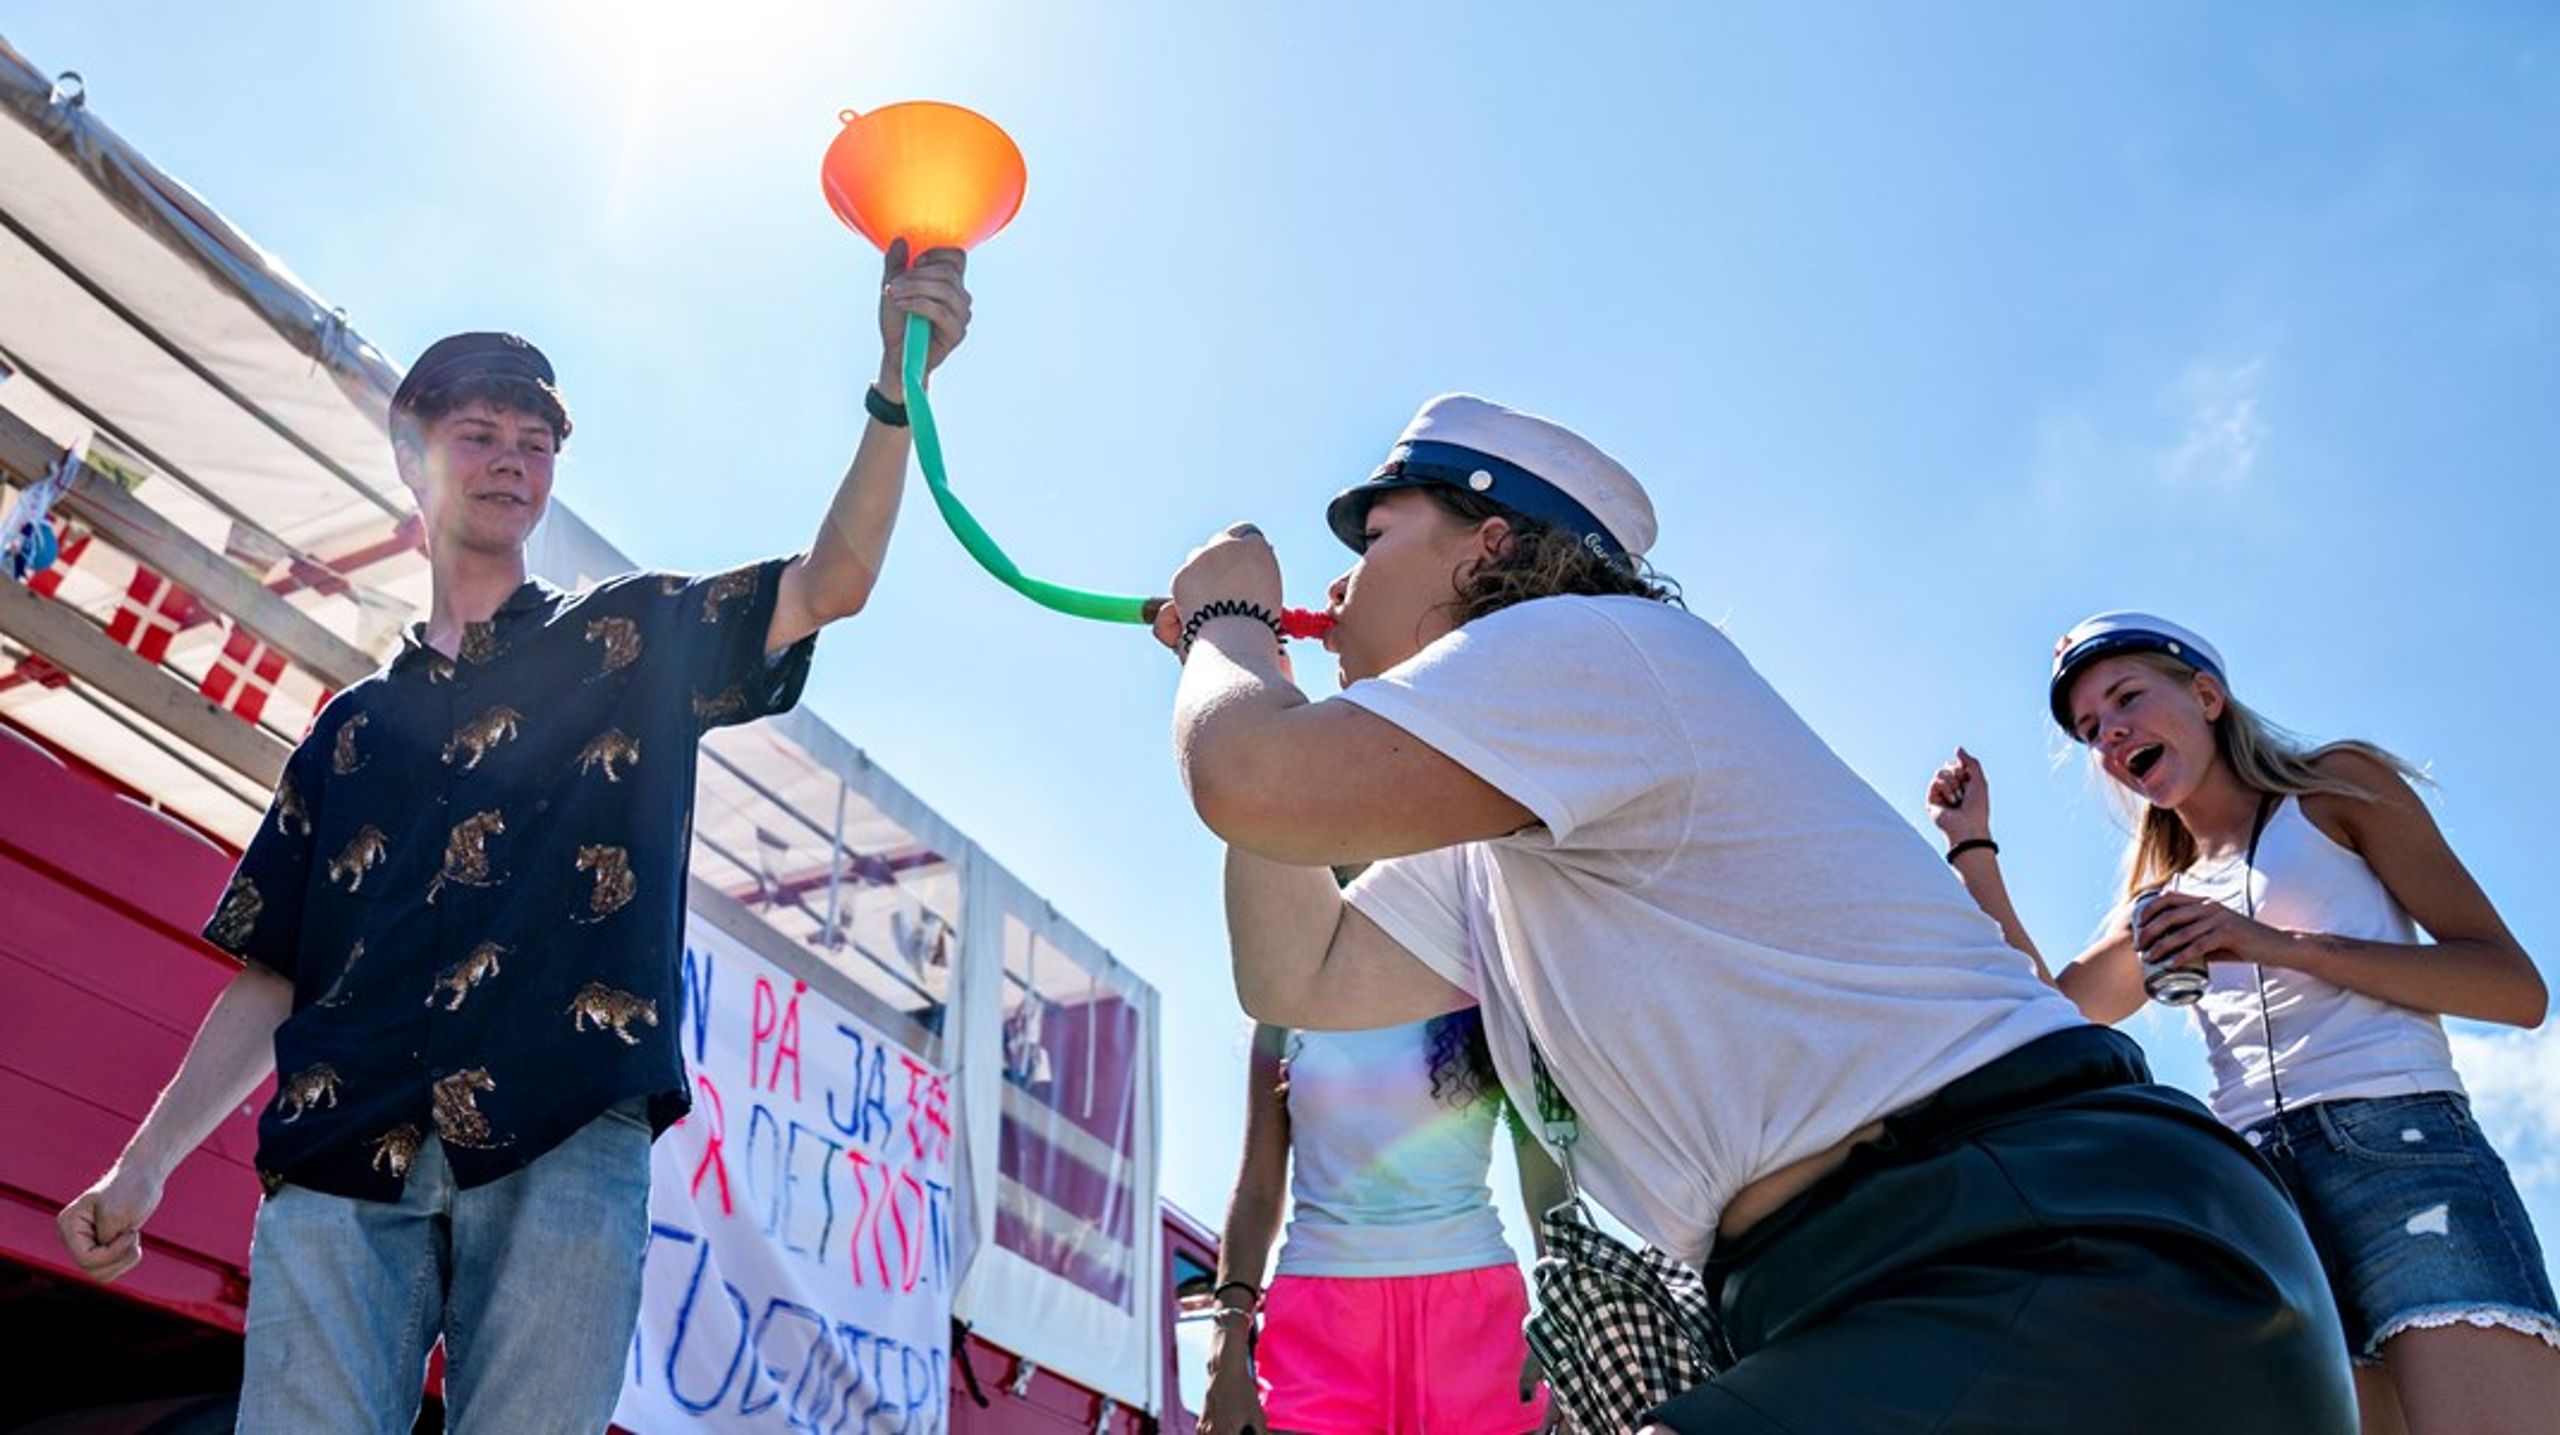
pixel 1767 1194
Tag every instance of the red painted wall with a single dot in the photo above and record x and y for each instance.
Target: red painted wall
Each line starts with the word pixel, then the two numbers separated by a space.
pixel 102 982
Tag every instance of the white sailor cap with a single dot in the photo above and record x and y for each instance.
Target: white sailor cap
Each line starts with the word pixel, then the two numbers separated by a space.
pixel 1533 466
pixel 2104 635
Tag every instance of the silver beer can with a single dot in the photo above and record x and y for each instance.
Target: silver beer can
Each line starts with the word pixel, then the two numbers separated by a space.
pixel 2165 984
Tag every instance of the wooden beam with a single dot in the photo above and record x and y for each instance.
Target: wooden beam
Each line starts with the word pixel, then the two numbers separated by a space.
pixel 68 640
pixel 138 529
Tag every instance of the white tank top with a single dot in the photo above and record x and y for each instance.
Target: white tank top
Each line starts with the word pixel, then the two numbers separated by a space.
pixel 2282 1039
pixel 1385 1179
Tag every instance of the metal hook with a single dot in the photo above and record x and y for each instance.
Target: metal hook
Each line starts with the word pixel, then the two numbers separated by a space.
pixel 69 89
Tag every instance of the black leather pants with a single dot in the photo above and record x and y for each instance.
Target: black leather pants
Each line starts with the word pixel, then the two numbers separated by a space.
pixel 2049 1243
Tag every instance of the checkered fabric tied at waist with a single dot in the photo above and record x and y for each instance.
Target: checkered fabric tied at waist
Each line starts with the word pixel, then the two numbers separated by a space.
pixel 1618 1330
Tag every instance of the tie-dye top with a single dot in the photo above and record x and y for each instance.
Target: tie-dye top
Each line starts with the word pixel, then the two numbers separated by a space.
pixel 473 873
pixel 1385 1179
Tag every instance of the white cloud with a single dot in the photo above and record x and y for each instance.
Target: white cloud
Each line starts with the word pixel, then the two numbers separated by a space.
pixel 2223 431
pixel 2514 1079
pixel 2202 430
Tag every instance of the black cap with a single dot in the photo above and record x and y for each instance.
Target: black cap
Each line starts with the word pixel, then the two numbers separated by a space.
pixel 456 357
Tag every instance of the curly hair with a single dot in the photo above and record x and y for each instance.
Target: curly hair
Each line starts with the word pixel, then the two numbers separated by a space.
pixel 1461 1061
pixel 508 393
pixel 1539 560
pixel 1461 1065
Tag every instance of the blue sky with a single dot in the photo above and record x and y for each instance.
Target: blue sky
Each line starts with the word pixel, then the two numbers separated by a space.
pixel 1930 329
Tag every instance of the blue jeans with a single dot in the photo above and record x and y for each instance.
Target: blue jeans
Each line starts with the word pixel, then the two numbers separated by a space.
pixel 533 1280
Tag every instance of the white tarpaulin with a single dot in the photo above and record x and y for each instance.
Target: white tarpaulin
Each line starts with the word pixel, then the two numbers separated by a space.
pixel 802 1229
pixel 236 406
pixel 1063 1050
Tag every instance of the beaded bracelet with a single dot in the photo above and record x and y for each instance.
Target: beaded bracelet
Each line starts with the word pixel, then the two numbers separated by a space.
pixel 1228 608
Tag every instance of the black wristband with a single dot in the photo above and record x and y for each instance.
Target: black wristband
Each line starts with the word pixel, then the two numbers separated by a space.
pixel 1246 1286
pixel 1229 608
pixel 1971 844
pixel 884 408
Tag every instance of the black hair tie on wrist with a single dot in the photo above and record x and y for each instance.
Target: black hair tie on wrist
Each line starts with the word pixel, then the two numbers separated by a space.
pixel 1228 608
pixel 884 408
pixel 1970 844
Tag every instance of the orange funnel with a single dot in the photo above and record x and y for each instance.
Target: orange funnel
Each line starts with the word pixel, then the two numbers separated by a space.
pixel 936 174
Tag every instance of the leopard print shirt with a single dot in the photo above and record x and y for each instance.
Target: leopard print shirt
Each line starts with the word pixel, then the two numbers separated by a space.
pixel 499 834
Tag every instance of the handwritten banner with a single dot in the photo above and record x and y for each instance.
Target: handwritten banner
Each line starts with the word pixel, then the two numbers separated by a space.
pixel 798 1272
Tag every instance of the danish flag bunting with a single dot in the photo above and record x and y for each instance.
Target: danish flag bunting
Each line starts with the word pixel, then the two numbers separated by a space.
pixel 244 677
pixel 151 612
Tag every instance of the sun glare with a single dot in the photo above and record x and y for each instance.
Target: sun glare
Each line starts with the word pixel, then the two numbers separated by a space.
pixel 670 78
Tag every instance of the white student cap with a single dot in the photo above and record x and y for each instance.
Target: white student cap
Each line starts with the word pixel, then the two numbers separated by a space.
pixel 2104 635
pixel 1533 466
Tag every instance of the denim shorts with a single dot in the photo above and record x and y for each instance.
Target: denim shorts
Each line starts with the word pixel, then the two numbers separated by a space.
pixel 2413 1215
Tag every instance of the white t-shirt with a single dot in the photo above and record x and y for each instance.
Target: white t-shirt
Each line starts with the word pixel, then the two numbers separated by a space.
pixel 2329 1044
pixel 1385 1179
pixel 1732 952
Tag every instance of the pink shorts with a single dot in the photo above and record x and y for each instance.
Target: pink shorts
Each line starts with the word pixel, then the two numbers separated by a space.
pixel 1397 1355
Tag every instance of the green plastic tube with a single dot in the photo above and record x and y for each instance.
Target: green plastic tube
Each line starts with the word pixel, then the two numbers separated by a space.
pixel 1075 602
